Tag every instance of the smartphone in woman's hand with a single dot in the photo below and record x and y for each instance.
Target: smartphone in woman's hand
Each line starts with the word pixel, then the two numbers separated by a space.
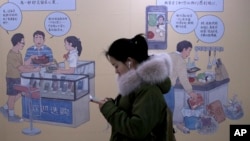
pixel 94 99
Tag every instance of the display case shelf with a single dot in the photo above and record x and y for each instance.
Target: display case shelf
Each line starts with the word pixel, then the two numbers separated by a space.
pixel 58 86
pixel 83 67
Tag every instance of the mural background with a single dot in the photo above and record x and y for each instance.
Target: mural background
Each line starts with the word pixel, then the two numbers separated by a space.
pixel 98 23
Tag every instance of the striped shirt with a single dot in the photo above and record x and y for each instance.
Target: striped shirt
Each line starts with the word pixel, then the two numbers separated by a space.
pixel 44 50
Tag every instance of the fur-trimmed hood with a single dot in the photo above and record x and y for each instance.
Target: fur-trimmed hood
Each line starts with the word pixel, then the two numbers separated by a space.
pixel 155 70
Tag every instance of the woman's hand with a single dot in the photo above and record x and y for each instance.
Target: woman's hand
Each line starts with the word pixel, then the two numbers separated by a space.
pixel 102 102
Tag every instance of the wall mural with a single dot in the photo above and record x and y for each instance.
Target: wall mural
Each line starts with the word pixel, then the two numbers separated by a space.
pixel 60 95
pixel 212 105
pixel 53 94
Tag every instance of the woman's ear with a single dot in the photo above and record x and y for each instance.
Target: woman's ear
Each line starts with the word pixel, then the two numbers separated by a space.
pixel 129 62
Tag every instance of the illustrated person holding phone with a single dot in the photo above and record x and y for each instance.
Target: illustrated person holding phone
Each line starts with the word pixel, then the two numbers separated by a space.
pixel 139 112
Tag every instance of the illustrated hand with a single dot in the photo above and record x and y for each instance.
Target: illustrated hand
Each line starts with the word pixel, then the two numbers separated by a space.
pixel 193 95
pixel 66 56
pixel 33 57
pixel 37 69
pixel 57 71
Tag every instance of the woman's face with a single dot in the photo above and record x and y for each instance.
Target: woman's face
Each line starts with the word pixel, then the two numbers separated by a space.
pixel 161 20
pixel 67 45
pixel 120 67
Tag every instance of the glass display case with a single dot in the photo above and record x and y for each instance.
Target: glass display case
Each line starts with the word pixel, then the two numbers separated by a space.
pixel 83 67
pixel 64 98
pixel 58 86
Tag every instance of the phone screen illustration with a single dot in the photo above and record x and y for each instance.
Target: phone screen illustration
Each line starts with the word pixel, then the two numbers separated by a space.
pixel 156 28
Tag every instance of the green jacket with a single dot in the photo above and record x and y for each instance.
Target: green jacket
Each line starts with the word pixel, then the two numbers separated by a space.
pixel 139 112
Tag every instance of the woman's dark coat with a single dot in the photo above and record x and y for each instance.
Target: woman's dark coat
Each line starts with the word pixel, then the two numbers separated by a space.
pixel 139 113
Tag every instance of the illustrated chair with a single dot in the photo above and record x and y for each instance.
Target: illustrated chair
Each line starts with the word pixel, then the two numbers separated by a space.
pixel 30 93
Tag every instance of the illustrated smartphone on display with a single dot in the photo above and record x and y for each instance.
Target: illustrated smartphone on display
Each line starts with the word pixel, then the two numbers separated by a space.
pixel 156 27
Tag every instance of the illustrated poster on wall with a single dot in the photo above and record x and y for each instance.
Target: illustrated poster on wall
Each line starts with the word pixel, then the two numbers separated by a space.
pixel 212 83
pixel 57 103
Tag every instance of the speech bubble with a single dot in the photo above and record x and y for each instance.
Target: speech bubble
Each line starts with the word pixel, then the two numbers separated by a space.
pixel 209 29
pixel 11 16
pixel 184 20
pixel 57 24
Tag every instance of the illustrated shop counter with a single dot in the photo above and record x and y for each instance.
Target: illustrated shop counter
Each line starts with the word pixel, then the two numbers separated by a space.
pixel 63 98
pixel 210 91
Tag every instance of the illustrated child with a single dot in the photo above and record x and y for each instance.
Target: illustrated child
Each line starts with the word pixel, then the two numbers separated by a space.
pixel 38 49
pixel 74 47
pixel 14 68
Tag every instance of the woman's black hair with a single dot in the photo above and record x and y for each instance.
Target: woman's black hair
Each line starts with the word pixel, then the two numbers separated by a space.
pixel 160 16
pixel 136 48
pixel 75 43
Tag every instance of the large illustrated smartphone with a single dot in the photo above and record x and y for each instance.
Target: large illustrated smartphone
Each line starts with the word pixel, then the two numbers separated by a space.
pixel 156 27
